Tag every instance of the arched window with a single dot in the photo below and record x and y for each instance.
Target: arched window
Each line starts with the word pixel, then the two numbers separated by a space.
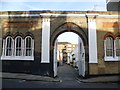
pixel 28 46
pixel 117 46
pixel 109 46
pixel 112 47
pixel 18 46
pixel 8 46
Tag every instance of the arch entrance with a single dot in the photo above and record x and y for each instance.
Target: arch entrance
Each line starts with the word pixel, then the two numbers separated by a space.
pixel 83 45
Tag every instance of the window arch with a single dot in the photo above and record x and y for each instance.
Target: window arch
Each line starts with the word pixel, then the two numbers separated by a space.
pixel 9 46
pixel 117 46
pixel 28 46
pixel 109 34
pixel 18 46
pixel 109 46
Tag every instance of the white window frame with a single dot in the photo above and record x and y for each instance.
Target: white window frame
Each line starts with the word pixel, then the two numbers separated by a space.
pixel 21 53
pixel 5 46
pixel 32 48
pixel 111 58
pixel 111 48
pixel 117 57
pixel 13 56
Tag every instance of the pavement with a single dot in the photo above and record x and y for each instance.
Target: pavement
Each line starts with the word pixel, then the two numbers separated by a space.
pixel 29 77
pixel 65 73
pixel 101 79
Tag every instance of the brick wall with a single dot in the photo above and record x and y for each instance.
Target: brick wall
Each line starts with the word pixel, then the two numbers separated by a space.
pixel 34 26
pixel 105 25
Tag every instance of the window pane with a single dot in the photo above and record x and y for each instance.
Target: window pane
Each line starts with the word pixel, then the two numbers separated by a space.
pixel 28 46
pixel 118 46
pixel 28 42
pixel 109 46
pixel 9 46
pixel 18 46
pixel 18 42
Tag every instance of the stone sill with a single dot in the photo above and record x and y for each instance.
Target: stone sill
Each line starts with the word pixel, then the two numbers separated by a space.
pixel 28 58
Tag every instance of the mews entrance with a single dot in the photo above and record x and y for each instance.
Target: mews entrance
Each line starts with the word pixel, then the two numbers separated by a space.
pixel 82 33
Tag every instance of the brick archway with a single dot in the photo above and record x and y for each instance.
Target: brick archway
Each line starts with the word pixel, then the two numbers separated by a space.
pixel 70 27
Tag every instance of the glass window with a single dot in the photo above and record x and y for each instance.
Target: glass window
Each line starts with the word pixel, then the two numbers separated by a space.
pixel 109 46
pixel 18 44
pixel 28 43
pixel 14 48
pixel 117 46
pixel 9 46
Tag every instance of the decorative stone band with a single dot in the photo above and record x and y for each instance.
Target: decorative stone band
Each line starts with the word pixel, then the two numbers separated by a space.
pixel 110 16
pixel 21 24
pixel 59 15
pixel 111 24
pixel 21 15
pixel 62 15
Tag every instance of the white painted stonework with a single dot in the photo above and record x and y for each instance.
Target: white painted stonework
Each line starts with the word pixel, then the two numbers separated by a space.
pixel 92 41
pixel 45 40
pixel 27 58
pixel 57 15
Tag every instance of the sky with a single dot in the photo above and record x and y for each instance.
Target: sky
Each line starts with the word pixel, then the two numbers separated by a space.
pixel 20 5
pixel 63 5
pixel 69 37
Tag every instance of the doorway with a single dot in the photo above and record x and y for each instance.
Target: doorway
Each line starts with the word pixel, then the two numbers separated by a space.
pixel 83 45
pixel 69 52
